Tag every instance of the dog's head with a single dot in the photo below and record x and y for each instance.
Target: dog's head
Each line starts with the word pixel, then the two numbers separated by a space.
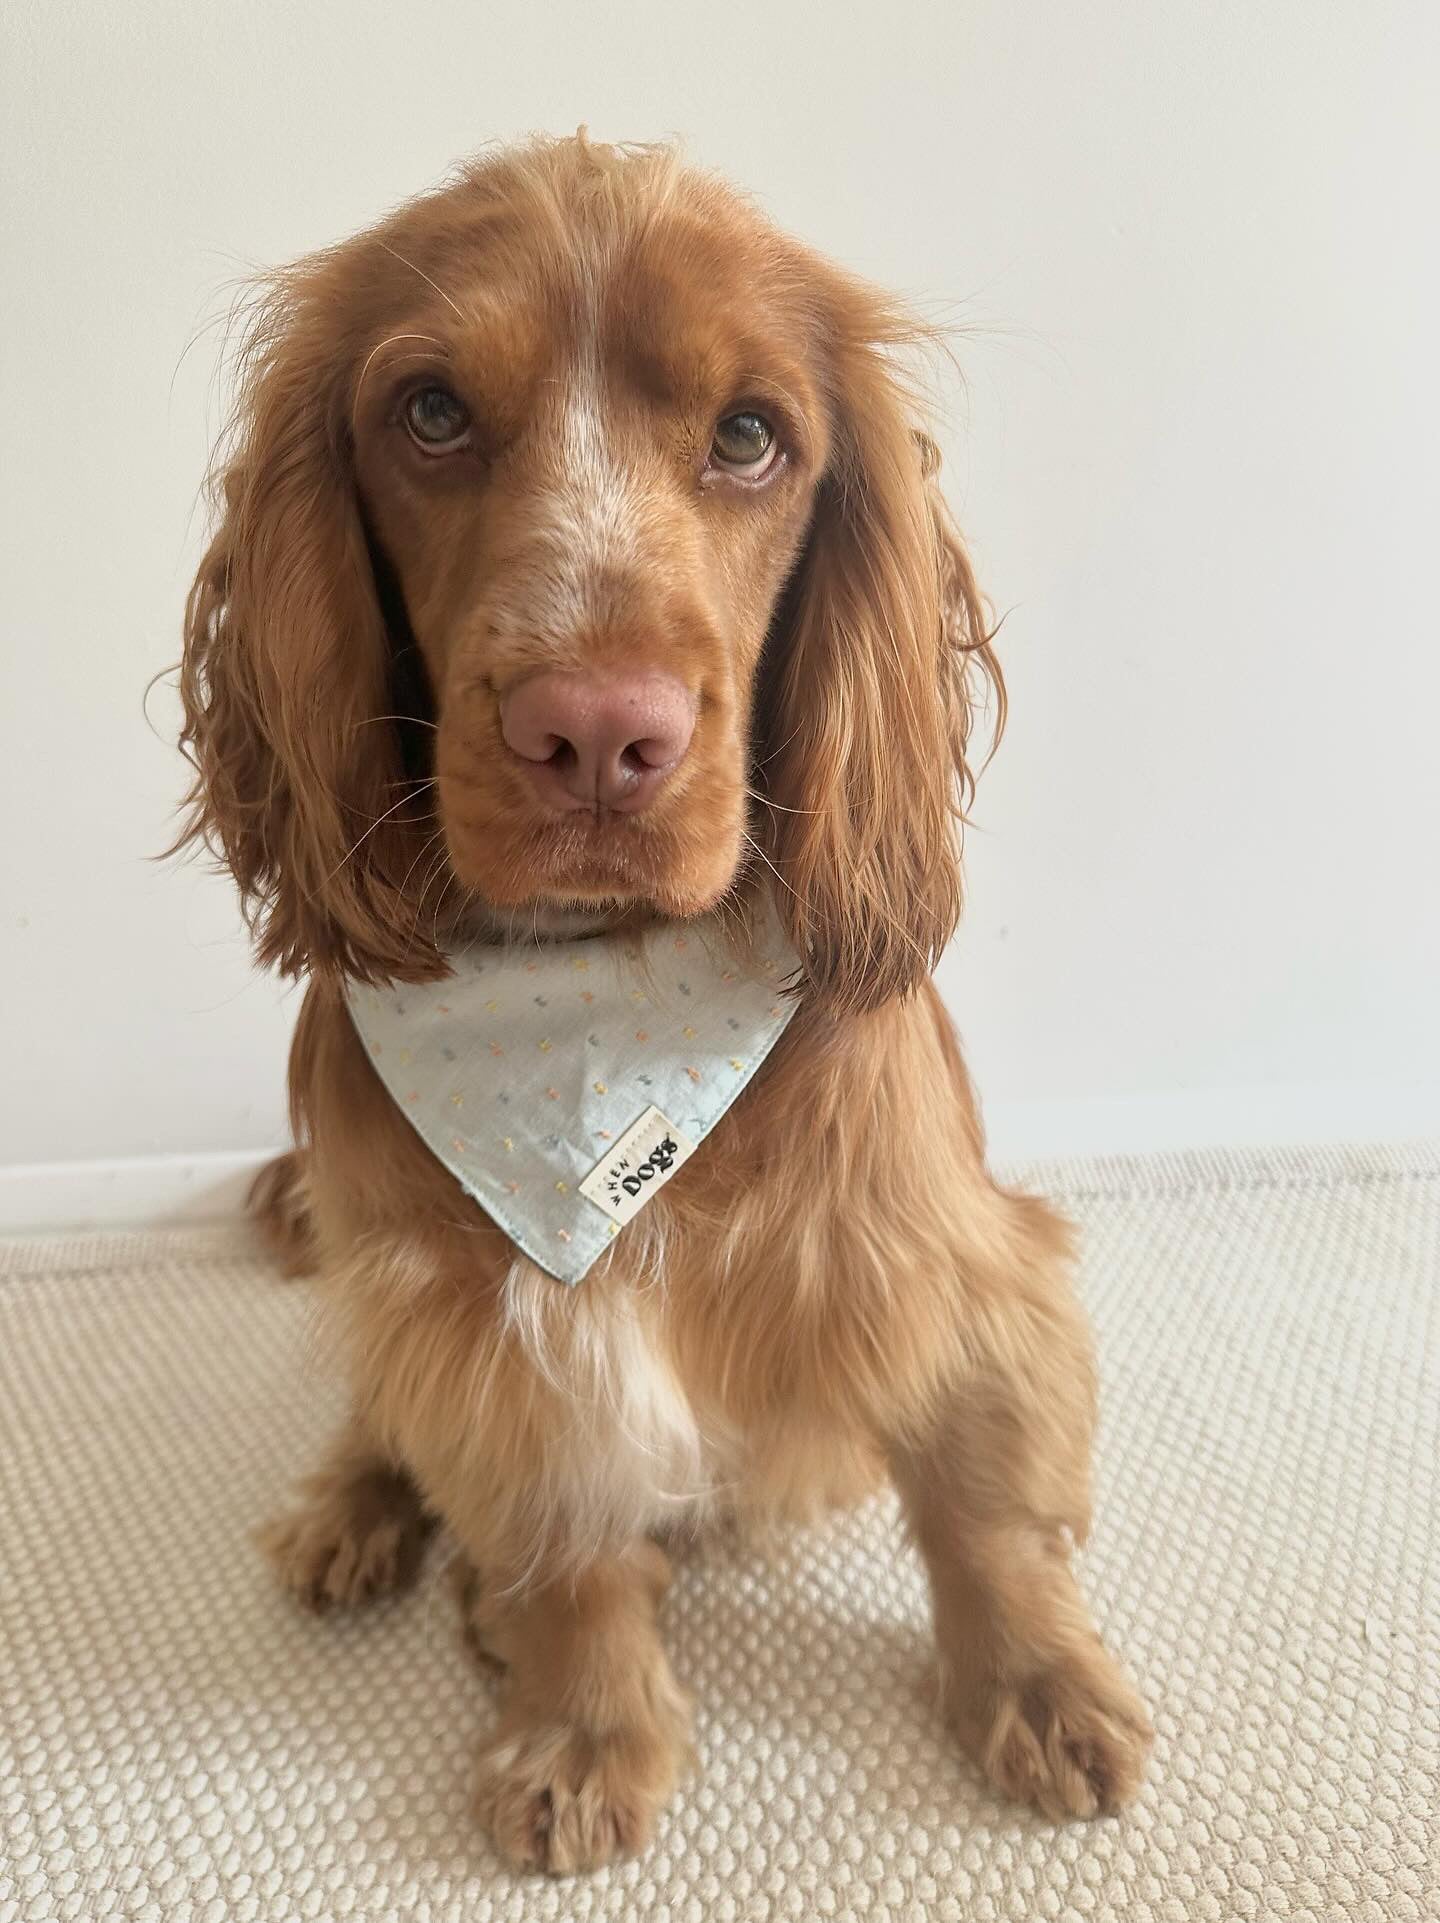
pixel 578 554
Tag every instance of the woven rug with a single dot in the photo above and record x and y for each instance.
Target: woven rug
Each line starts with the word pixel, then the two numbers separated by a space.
pixel 176 1741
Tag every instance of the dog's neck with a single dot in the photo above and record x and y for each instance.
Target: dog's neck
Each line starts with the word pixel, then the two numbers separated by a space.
pixel 550 922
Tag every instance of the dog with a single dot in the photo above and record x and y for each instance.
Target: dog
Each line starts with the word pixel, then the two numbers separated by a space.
pixel 580 573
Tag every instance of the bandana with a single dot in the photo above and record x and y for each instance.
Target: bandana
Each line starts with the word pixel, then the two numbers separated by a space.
pixel 562 1085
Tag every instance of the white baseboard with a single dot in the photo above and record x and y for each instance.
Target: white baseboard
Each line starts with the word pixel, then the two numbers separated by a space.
pixel 145 1190
pixel 132 1191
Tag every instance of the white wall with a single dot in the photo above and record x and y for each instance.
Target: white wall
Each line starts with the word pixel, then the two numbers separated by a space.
pixel 1195 245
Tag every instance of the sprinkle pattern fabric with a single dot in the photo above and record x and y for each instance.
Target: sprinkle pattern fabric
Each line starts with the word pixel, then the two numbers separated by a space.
pixel 528 1066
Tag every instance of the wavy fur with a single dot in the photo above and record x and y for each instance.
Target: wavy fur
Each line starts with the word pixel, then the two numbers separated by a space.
pixel 835 1289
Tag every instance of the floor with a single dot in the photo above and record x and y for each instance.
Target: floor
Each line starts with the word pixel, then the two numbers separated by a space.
pixel 177 1742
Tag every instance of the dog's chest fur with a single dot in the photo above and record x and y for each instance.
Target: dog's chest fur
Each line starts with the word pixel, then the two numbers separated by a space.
pixel 639 1452
pixel 634 1454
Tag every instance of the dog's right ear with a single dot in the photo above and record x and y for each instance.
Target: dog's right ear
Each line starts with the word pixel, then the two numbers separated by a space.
pixel 299 783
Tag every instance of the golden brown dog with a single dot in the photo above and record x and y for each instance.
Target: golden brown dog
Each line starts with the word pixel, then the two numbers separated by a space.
pixel 580 561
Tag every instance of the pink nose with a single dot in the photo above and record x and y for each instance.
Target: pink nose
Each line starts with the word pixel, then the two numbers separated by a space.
pixel 590 739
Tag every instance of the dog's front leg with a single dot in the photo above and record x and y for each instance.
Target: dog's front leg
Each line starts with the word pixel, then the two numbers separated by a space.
pixel 996 1492
pixel 594 1728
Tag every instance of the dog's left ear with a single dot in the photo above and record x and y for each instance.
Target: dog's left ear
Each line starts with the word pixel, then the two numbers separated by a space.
pixel 867 708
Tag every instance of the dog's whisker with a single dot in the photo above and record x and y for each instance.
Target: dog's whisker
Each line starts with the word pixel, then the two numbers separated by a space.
pixel 425 846
pixel 395 254
pixel 360 840
pixel 392 341
pixel 780 747
pixel 780 807
pixel 750 840
pixel 436 869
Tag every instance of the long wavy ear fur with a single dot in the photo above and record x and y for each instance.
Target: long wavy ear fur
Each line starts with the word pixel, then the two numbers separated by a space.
pixel 868 707
pixel 299 783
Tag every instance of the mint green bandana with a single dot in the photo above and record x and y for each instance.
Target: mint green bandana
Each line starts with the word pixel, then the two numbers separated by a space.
pixel 562 1084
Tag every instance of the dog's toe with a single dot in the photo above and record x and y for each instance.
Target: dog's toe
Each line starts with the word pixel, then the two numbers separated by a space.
pixel 561 1799
pixel 336 1553
pixel 1072 1741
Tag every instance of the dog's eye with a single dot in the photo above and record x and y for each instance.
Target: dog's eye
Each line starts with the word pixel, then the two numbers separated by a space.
pixel 438 421
pixel 744 445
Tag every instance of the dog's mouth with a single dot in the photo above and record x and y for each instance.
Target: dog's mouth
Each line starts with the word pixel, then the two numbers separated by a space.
pixel 591 869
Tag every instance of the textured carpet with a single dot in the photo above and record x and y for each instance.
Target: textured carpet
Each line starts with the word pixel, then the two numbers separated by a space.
pixel 178 1742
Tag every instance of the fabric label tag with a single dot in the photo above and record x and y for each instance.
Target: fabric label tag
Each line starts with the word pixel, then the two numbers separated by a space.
pixel 642 1161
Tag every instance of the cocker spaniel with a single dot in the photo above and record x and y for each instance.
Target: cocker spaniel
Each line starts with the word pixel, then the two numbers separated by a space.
pixel 581 578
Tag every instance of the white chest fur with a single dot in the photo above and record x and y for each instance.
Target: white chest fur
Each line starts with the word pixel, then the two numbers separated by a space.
pixel 628 1454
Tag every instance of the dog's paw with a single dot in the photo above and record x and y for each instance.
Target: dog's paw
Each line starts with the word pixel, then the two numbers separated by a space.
pixel 1072 1741
pixel 561 1798
pixel 350 1546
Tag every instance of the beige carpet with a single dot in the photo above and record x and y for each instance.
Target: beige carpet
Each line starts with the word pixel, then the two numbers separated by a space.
pixel 177 1742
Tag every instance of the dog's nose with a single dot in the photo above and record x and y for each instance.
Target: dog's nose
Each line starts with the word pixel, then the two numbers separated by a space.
pixel 590 739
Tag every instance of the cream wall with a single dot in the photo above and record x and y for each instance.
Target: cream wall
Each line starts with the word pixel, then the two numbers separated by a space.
pixel 1193 247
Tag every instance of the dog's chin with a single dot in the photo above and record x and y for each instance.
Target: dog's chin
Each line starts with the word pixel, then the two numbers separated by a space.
pixel 591 891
